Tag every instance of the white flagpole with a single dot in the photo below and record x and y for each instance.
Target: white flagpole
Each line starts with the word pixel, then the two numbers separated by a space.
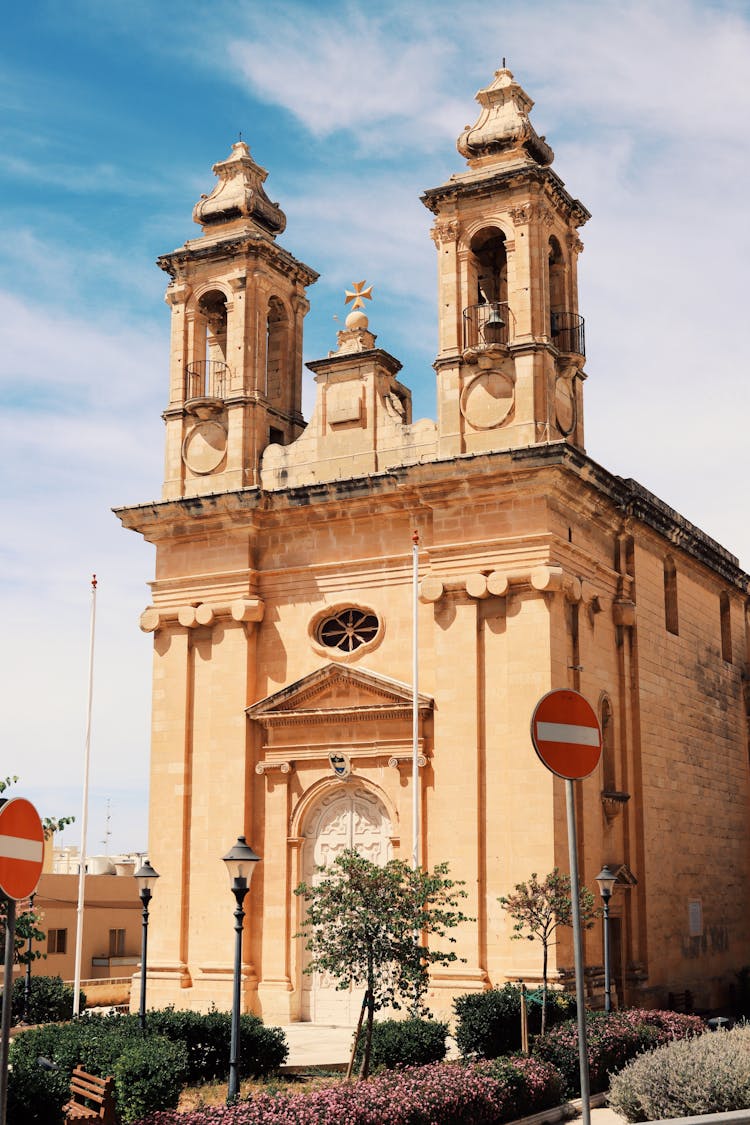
pixel 85 809
pixel 415 702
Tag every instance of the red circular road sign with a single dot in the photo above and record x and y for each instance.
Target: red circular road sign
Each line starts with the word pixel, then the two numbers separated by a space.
pixel 566 734
pixel 21 848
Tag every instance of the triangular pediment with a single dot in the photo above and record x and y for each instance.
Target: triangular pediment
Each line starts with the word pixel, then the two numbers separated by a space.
pixel 338 691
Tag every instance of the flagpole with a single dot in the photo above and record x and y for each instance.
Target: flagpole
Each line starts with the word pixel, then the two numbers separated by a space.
pixel 85 809
pixel 415 701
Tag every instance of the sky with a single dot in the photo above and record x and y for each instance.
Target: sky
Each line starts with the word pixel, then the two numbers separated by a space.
pixel 111 116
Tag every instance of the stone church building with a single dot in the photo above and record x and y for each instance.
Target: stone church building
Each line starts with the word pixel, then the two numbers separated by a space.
pixel 282 611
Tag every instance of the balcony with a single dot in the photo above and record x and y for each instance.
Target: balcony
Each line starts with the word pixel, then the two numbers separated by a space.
pixel 492 324
pixel 487 324
pixel 206 382
pixel 567 332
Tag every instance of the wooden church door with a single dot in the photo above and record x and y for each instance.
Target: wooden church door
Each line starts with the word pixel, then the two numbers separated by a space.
pixel 354 818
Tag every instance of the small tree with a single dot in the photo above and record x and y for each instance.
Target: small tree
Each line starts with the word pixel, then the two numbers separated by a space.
pixel 540 907
pixel 368 925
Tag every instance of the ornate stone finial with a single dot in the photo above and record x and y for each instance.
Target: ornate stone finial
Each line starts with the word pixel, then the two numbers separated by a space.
pixel 239 194
pixel 503 132
pixel 356 337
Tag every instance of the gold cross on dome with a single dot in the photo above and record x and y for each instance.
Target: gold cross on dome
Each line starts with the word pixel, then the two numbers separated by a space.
pixel 358 294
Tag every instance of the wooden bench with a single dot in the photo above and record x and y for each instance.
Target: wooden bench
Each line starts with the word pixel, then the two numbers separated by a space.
pixel 91 1098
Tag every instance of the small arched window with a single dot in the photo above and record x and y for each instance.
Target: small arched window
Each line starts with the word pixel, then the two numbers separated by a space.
pixel 670 596
pixel 276 349
pixel 606 719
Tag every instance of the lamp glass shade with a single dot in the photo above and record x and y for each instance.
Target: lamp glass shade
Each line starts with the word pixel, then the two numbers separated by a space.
pixel 146 877
pixel 606 880
pixel 241 861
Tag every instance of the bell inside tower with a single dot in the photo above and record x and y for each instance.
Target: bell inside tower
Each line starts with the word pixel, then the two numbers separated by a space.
pixel 487 322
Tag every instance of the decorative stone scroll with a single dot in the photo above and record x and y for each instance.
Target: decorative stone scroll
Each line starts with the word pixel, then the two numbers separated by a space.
pixel 546 579
pixel 269 767
pixel 398 760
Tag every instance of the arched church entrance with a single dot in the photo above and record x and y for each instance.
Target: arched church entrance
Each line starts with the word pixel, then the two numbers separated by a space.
pixel 349 816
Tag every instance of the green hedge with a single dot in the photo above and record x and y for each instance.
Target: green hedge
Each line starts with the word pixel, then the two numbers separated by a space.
pixel 50 1000
pixel 489 1023
pixel 410 1042
pixel 185 1047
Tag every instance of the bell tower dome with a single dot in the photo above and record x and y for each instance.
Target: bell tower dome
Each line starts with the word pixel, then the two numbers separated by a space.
pixel 238 302
pixel 511 340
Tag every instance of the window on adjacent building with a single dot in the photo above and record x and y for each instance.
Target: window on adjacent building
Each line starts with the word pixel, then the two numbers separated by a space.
pixel 670 596
pixel 726 627
pixel 57 941
pixel 117 943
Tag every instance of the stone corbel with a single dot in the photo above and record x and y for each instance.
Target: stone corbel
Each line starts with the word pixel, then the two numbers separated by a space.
pixel 613 802
pixel 204 613
pixel 269 767
pixel 396 761
pixel 545 579
pixel 623 612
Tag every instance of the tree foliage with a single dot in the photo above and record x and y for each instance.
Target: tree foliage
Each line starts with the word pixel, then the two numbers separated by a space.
pixel 538 907
pixel 369 925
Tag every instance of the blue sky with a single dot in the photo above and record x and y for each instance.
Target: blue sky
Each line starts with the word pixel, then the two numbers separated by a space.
pixel 112 115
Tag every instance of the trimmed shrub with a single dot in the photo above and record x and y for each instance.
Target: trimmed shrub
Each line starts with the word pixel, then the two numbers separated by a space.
pixel 441 1094
pixel 50 1000
pixel 489 1023
pixel 399 1043
pixel 612 1041
pixel 149 1075
pixel 708 1074
pixel 207 1037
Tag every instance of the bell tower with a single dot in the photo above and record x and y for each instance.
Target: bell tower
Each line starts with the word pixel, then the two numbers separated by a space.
pixel 238 302
pixel 511 340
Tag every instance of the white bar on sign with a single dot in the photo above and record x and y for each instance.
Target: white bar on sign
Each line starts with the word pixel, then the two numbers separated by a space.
pixel 14 847
pixel 567 732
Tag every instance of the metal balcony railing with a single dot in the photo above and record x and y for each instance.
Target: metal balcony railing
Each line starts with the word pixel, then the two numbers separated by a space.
pixel 206 378
pixel 487 324
pixel 567 332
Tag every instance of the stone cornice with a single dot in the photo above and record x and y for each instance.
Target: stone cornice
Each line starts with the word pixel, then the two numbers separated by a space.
pixel 466 186
pixel 249 243
pixel 411 486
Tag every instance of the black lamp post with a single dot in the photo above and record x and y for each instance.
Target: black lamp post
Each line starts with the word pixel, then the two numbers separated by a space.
pixel 145 877
pixel 606 881
pixel 240 861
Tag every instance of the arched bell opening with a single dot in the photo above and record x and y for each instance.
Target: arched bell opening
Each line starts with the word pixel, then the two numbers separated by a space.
pixel 566 327
pixel 487 321
pixel 207 372
pixel 276 387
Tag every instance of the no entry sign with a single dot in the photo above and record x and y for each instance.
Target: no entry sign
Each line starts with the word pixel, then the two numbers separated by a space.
pixel 566 734
pixel 21 848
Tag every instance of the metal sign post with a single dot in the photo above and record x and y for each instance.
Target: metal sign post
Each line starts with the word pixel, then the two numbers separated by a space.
pixel 21 861
pixel 566 735
pixel 583 1058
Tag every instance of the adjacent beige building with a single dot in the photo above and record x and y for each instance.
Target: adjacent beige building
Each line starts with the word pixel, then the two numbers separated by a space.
pixel 282 610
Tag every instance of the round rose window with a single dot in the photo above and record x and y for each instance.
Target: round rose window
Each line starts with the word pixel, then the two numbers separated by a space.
pixel 347 630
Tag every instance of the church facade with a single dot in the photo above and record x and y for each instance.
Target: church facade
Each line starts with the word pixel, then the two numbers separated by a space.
pixel 283 612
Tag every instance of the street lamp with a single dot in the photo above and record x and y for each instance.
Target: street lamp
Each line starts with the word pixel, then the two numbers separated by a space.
pixel 606 881
pixel 240 861
pixel 145 878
